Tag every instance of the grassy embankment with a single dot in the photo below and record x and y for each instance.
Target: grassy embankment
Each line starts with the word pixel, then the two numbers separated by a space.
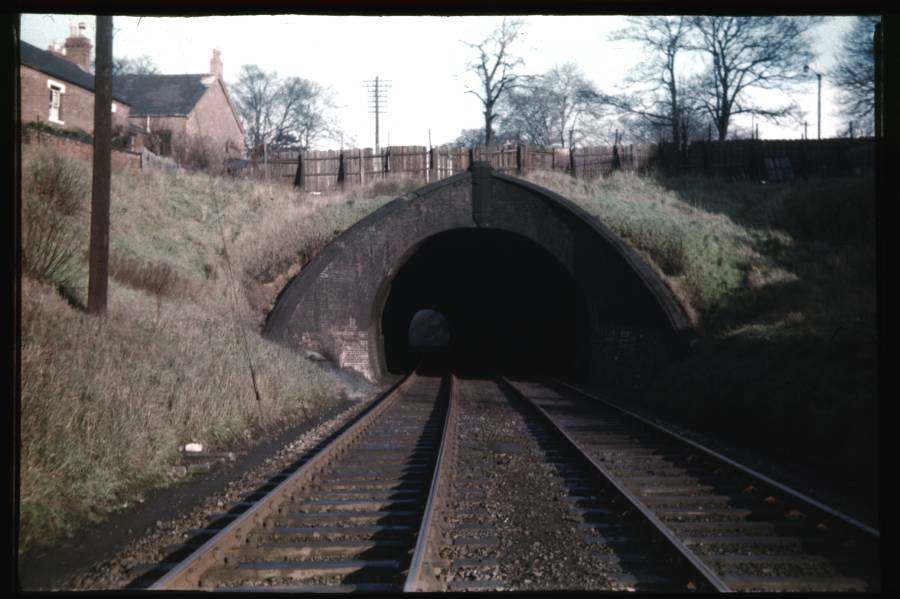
pixel 780 281
pixel 196 261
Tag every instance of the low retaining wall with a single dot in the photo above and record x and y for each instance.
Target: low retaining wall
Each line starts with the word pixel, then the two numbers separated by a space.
pixel 79 149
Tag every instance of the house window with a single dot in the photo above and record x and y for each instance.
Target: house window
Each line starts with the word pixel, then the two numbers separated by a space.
pixel 55 109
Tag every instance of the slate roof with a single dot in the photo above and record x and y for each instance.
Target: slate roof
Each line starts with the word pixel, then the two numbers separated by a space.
pixel 62 69
pixel 162 95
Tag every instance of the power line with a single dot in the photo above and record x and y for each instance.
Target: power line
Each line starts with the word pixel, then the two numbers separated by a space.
pixel 377 100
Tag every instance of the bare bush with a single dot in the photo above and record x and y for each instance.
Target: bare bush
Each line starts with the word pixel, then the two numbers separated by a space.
pixel 159 279
pixel 55 190
pixel 199 153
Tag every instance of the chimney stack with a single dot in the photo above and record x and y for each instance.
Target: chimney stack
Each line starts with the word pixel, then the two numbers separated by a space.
pixel 78 47
pixel 215 65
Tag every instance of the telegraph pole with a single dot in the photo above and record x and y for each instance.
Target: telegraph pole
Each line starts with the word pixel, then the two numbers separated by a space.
pixel 377 100
pixel 98 276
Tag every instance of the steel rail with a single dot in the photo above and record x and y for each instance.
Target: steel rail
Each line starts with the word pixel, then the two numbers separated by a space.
pixel 186 575
pixel 698 565
pixel 758 475
pixel 420 576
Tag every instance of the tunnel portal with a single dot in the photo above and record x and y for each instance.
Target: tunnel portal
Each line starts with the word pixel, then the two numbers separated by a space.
pixel 509 305
pixel 526 281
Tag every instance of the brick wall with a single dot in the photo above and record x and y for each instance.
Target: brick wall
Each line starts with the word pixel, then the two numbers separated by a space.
pixel 78 149
pixel 213 118
pixel 76 104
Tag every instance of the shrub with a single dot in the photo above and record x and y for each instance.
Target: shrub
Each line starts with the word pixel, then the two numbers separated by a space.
pixel 77 134
pixel 159 279
pixel 198 153
pixel 55 192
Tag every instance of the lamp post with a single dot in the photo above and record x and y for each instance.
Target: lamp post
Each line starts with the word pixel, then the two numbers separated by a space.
pixel 806 69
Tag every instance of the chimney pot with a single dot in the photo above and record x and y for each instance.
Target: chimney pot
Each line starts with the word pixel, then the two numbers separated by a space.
pixel 215 64
pixel 78 48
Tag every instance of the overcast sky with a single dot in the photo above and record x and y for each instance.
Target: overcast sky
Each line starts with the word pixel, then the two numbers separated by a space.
pixel 423 57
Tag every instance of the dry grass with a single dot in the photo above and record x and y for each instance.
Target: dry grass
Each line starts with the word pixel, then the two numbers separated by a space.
pixel 106 402
pixel 703 255
pixel 197 260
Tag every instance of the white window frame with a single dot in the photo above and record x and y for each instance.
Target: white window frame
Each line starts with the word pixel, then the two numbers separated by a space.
pixel 61 88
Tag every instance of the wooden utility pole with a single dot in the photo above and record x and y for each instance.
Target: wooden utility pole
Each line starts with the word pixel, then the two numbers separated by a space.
pixel 378 90
pixel 98 278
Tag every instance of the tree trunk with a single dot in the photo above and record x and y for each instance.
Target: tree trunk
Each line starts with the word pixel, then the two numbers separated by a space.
pixel 488 129
pixel 722 126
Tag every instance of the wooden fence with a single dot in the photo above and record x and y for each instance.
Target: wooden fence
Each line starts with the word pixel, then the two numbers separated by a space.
pixel 327 170
pixel 769 160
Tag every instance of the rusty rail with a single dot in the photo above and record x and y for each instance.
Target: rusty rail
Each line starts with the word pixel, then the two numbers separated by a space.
pixel 841 545
pixel 718 456
pixel 420 576
pixel 186 575
pixel 701 569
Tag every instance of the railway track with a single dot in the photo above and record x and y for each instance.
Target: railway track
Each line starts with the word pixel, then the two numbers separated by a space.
pixel 346 520
pixel 748 532
pixel 451 483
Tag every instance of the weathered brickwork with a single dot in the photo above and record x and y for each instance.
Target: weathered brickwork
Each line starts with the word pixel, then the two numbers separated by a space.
pixel 76 103
pixel 213 119
pixel 336 304
pixel 78 149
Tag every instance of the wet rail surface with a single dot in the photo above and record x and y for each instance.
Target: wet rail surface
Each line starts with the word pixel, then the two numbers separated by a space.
pixel 751 533
pixel 456 483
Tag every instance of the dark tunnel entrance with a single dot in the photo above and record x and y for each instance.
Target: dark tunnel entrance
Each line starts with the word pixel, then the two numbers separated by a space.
pixel 509 305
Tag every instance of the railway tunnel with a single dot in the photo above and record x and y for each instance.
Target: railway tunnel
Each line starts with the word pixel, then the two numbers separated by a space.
pixel 489 271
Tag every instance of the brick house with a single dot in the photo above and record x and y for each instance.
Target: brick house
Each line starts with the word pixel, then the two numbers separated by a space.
pixel 175 108
pixel 57 88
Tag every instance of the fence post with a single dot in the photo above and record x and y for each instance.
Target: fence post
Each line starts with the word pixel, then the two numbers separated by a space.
pixel 386 163
pixel 340 175
pixel 519 160
pixel 431 172
pixel 471 157
pixel 299 176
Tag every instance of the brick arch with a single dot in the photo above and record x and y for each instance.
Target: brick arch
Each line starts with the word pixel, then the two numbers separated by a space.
pixel 334 305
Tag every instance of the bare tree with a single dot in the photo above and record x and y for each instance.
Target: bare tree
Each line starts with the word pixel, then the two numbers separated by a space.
pixel 655 83
pixel 280 113
pixel 854 74
pixel 494 68
pixel 750 53
pixel 313 115
pixel 142 65
pixel 255 95
pixel 470 138
pixel 557 107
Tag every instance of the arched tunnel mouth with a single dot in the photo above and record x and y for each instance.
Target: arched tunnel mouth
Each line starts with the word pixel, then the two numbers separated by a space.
pixel 484 300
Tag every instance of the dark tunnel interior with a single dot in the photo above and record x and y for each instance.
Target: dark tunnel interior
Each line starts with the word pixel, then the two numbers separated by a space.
pixel 484 299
